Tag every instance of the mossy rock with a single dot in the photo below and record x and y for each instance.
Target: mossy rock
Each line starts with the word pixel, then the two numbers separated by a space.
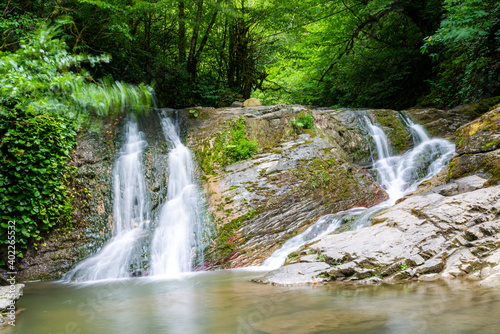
pixel 479 108
pixel 399 137
pixel 482 135
pixel 486 165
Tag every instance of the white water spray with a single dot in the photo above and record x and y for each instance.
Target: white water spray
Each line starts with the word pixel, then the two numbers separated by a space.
pixel 398 175
pixel 118 257
pixel 178 234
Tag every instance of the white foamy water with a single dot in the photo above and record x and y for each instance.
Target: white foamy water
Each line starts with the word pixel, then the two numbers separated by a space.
pixel 119 256
pixel 177 237
pixel 397 174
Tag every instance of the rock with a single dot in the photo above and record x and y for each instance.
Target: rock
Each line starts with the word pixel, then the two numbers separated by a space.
pixel 298 177
pixel 440 123
pixel 486 165
pixel 478 148
pixel 444 123
pixel 481 135
pixel 237 104
pixel 252 102
pixel 92 217
pixel 8 297
pixel 295 274
pixel 418 238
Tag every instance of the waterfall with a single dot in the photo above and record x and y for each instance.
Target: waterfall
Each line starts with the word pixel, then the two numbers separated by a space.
pixel 119 255
pixel 397 174
pixel 177 237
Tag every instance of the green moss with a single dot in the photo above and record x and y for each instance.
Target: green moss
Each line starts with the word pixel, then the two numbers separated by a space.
pixel 397 135
pixel 229 145
pixel 224 244
pixel 491 144
pixel 479 108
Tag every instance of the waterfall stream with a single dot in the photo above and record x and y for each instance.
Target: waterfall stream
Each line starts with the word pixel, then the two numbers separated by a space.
pixel 397 174
pixel 177 237
pixel 175 244
pixel 120 255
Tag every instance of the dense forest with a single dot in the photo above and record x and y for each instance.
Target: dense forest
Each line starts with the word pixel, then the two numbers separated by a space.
pixel 64 61
pixel 361 53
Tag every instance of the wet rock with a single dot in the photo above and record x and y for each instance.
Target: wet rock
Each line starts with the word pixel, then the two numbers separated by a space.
pixel 297 177
pixel 8 297
pixel 93 158
pixel 444 123
pixel 296 274
pixel 427 236
pixel 481 135
pixel 478 148
pixel 237 104
pixel 491 274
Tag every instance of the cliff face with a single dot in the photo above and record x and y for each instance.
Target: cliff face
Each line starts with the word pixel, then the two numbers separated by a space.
pixel 297 176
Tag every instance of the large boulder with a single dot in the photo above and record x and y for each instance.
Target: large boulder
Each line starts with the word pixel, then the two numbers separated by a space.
pixel 481 135
pixel 252 102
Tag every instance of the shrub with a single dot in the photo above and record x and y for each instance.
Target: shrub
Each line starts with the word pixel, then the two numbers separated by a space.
pixel 303 121
pixel 239 146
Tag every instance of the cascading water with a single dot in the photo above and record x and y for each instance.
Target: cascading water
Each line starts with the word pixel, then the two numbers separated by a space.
pixel 130 209
pixel 177 237
pixel 398 175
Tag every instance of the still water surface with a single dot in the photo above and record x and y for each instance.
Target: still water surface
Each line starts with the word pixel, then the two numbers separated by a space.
pixel 227 302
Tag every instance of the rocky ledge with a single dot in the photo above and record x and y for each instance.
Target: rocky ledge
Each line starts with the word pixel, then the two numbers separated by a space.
pixel 449 228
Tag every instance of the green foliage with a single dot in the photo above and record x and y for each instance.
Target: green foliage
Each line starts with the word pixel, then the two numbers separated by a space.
pixel 403 266
pixel 45 96
pixel 465 50
pixel 237 145
pixel 34 149
pixel 224 244
pixel 303 121
pixel 44 76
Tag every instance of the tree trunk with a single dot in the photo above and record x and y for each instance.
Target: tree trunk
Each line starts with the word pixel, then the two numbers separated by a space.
pixel 182 34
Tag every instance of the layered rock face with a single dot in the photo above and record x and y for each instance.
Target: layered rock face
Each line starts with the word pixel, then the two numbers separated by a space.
pixel 298 176
pixel 448 228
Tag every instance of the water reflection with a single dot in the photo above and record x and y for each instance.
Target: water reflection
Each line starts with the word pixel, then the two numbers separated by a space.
pixel 226 302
